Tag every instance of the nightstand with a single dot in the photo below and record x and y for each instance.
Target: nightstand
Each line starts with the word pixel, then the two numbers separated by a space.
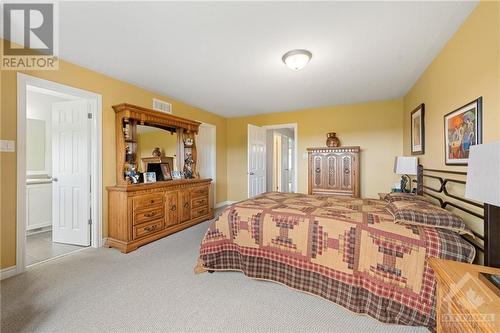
pixel 465 303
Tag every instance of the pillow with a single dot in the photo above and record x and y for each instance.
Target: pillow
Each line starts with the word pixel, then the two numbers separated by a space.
pixel 399 196
pixel 428 215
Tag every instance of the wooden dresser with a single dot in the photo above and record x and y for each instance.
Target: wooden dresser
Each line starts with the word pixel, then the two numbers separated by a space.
pixel 142 213
pixel 334 171
pixel 465 303
pixel 139 212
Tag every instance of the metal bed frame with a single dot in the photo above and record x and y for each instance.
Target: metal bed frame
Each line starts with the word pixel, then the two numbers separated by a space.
pixel 429 191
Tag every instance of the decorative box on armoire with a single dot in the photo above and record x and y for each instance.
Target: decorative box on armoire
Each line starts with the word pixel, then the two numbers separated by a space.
pixel 334 171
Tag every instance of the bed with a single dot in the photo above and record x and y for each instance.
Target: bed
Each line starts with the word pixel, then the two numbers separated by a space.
pixel 346 250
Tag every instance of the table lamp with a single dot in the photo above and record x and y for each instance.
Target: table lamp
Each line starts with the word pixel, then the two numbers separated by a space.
pixel 483 184
pixel 405 166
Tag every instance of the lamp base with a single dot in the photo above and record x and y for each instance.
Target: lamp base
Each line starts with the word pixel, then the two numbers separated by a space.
pixel 404 182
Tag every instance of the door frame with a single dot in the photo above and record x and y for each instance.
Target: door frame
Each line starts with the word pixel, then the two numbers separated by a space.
pixel 95 105
pixel 293 126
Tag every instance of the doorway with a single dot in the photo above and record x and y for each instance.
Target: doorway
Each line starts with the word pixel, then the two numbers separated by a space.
pixel 272 158
pixel 58 166
pixel 280 160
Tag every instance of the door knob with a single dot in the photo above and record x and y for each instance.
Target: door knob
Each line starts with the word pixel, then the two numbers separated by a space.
pixel 54 179
pixel 251 173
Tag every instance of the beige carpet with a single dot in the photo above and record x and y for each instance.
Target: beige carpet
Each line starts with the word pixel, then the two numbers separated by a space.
pixel 154 290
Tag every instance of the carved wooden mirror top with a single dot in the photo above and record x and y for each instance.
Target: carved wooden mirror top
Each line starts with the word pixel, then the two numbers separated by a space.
pixel 129 116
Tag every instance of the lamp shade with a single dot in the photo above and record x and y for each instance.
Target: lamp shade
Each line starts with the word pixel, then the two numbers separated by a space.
pixel 406 165
pixel 483 174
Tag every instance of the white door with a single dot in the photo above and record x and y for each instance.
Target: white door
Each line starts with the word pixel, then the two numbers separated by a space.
pixel 285 165
pixel 291 164
pixel 256 160
pixel 71 173
pixel 206 159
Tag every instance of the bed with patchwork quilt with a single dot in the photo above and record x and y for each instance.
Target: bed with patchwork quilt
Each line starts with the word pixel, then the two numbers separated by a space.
pixel 347 250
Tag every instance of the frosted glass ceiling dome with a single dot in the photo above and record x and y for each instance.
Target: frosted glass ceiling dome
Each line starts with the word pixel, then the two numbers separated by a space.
pixel 296 59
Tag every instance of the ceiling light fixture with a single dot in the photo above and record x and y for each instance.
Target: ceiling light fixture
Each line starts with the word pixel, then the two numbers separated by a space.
pixel 296 59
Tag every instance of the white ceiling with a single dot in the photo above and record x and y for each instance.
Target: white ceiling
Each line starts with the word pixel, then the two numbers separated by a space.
pixel 225 57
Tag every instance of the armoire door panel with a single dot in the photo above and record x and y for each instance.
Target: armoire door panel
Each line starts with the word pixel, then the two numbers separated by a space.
pixel 346 167
pixel 331 172
pixel 317 170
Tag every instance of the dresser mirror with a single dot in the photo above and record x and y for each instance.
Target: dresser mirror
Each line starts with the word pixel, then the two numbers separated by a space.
pixel 156 145
pixel 154 142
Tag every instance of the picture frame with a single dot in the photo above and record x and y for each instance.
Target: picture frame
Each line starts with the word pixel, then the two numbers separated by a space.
pixel 176 175
pixel 149 177
pixel 417 119
pixel 166 172
pixel 462 129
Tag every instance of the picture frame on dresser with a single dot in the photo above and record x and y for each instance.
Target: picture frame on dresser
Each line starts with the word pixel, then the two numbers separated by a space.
pixel 462 129
pixel 149 177
pixel 417 130
pixel 166 172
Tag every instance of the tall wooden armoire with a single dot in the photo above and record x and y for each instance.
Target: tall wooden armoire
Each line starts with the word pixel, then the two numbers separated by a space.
pixel 334 171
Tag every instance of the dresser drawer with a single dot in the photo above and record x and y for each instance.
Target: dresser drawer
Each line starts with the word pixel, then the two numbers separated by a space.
pixel 147 215
pixel 199 192
pixel 197 212
pixel 145 201
pixel 148 228
pixel 199 202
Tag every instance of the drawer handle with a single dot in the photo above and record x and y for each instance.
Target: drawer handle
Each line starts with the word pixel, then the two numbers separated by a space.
pixel 186 205
pixel 347 171
pixel 151 228
pixel 318 170
pixel 152 201
pixel 150 214
pixel 173 208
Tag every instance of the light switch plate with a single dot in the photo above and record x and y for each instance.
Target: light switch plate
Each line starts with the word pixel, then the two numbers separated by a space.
pixel 7 146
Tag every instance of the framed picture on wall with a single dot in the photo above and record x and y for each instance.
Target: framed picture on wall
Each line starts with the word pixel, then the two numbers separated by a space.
pixel 418 130
pixel 462 129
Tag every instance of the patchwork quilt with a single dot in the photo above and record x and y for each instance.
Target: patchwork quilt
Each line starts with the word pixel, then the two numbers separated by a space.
pixel 346 250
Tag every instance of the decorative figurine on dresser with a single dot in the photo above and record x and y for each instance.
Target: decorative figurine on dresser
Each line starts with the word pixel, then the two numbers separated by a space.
pixel 334 171
pixel 141 212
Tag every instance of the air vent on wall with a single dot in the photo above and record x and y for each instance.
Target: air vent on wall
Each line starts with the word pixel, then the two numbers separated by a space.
pixel 162 106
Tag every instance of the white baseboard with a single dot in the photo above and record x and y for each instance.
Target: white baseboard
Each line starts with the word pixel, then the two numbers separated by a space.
pixel 224 203
pixel 8 272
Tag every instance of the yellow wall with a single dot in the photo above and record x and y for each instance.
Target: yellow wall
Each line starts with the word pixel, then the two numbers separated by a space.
pixel 468 67
pixel 113 92
pixel 376 127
